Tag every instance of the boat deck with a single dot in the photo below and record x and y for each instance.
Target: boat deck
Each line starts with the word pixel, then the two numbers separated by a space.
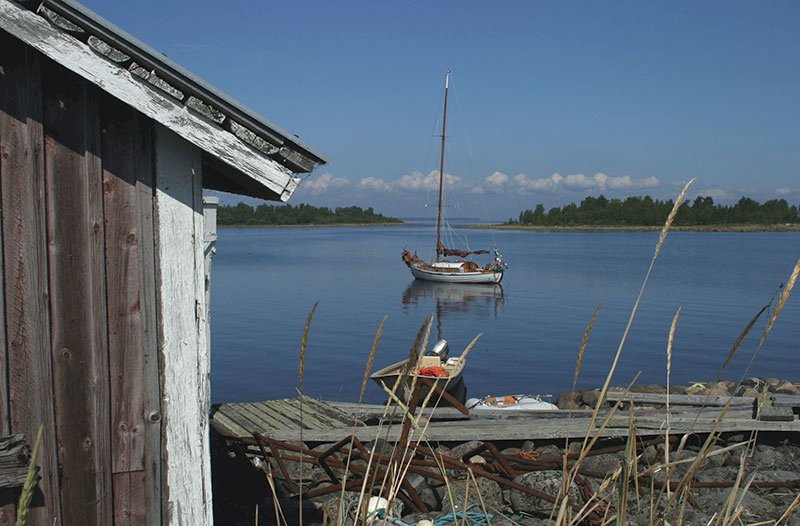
pixel 332 421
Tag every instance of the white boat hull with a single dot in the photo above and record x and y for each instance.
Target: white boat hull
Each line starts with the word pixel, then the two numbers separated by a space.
pixel 456 277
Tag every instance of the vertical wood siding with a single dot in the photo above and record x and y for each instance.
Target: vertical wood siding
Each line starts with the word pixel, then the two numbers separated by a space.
pixel 27 313
pixel 79 338
pixel 77 296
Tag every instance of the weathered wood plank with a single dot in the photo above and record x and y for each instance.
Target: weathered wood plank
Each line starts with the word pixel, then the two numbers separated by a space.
pixel 547 429
pixel 255 416
pixel 7 513
pixel 181 300
pixel 784 400
pixel 129 490
pixel 77 297
pixel 275 419
pixel 674 399
pixel 246 419
pixel 27 317
pixel 307 415
pixel 226 426
pixel 127 163
pixel 79 58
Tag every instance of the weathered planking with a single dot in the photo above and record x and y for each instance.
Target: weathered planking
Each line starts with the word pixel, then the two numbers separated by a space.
pixel 127 164
pixel 242 420
pixel 181 325
pixel 532 430
pixel 785 400
pixel 675 399
pixel 27 317
pixel 76 263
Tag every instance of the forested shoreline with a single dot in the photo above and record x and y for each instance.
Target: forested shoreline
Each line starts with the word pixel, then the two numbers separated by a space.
pixel 646 211
pixel 302 214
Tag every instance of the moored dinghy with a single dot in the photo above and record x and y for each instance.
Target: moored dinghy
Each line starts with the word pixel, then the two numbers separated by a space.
pixel 434 365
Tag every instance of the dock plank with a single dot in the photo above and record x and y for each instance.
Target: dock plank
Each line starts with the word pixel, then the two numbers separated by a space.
pixel 675 399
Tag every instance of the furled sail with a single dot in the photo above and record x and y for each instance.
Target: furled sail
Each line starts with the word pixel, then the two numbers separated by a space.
pixel 441 249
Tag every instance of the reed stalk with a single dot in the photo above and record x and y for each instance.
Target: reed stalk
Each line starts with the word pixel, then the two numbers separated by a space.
pixel 29 486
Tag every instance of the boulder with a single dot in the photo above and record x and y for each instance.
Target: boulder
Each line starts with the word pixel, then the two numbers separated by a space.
pixel 569 400
pixel 548 482
pixel 490 493
pixel 604 464
pixel 466 448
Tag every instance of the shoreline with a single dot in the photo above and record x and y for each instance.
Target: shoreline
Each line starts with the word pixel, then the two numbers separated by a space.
pixel 792 227
pixel 313 225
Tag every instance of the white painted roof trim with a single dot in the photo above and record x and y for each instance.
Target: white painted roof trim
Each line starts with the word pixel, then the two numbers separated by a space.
pixel 79 58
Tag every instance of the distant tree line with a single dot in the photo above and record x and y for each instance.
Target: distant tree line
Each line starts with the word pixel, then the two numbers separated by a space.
pixel 646 211
pixel 302 214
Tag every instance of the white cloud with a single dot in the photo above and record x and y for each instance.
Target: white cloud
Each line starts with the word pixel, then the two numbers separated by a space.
pixel 525 183
pixel 417 181
pixel 580 181
pixel 784 190
pixel 718 194
pixel 497 180
pixel 375 184
pixel 323 183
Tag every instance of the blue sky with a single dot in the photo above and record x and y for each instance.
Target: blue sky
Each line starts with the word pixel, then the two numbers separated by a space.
pixel 552 101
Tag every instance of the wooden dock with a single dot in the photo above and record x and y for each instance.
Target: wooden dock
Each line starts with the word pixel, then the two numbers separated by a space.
pixel 331 421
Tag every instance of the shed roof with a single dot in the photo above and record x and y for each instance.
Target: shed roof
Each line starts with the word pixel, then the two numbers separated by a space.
pixel 243 151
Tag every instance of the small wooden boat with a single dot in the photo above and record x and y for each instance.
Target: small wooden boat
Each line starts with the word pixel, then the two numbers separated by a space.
pixel 435 366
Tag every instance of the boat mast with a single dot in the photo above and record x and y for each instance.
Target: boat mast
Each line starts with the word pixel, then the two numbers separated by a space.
pixel 441 167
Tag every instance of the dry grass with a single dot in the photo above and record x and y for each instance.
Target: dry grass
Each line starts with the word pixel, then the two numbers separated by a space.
pixel 629 495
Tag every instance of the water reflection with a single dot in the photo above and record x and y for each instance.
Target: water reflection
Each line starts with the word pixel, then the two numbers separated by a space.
pixel 449 298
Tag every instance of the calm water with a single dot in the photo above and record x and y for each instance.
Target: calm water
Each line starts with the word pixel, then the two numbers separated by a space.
pixel 265 280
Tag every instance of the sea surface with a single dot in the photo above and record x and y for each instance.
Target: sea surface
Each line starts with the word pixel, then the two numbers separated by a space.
pixel 265 281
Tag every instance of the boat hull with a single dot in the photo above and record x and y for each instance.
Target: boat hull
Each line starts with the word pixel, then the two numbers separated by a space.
pixel 428 274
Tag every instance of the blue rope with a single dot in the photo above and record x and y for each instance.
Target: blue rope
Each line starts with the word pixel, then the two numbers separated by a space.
pixel 474 518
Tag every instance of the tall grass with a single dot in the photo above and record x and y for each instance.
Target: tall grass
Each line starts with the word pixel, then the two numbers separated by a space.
pixel 630 494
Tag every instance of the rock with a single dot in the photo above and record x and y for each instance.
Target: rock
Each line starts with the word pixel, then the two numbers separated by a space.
pixel 716 474
pixel 602 464
pixel 466 448
pixel 528 445
pixel 511 451
pixel 548 482
pixel 768 457
pixel 744 390
pixel 718 389
pixel 785 387
pixel 776 475
pixel 568 400
pixel 716 458
pixel 753 382
pixel 590 397
pixel 755 507
pixel 651 456
pixel 477 459
pixel 677 389
pixel 431 498
pixel 651 388
pixel 490 492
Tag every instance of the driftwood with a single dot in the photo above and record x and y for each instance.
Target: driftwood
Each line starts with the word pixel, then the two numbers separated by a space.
pixel 14 457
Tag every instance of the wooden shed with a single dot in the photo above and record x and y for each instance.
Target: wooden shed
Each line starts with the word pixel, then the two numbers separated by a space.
pixel 105 148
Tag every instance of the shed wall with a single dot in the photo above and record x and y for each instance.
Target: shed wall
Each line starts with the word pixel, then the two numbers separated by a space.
pixel 81 338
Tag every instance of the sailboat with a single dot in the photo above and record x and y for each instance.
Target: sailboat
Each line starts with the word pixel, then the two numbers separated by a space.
pixel 449 271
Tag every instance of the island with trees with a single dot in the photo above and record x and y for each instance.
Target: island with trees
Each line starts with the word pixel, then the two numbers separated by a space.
pixel 243 214
pixel 638 212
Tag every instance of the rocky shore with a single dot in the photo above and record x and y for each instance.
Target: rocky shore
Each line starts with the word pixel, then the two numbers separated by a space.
pixel 755 476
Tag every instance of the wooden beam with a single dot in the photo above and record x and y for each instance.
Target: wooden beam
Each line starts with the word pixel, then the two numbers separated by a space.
pixel 182 332
pixel 35 31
